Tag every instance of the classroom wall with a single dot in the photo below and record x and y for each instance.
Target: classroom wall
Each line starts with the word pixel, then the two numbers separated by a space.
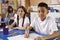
pixel 55 15
pixel 35 2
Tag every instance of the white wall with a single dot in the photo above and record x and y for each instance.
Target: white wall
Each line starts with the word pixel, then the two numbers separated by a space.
pixel 55 15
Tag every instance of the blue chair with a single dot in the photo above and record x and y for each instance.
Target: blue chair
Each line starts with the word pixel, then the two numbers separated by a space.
pixel 6 20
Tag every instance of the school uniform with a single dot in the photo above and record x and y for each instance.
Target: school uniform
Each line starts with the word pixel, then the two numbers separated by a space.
pixel 48 26
pixel 26 20
pixel 10 17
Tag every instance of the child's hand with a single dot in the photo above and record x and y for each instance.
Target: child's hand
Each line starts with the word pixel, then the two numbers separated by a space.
pixel 26 35
pixel 38 38
pixel 10 27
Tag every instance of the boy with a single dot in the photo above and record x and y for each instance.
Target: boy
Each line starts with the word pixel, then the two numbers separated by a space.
pixel 44 24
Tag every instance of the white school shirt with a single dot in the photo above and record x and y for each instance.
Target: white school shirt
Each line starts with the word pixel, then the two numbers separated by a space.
pixel 48 26
pixel 26 20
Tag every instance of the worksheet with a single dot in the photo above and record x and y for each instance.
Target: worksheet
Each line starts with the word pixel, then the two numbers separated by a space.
pixel 21 37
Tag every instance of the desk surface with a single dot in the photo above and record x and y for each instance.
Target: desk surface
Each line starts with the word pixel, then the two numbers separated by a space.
pixel 18 36
pixel 32 36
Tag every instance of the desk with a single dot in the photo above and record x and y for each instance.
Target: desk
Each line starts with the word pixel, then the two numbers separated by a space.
pixel 19 36
pixel 32 36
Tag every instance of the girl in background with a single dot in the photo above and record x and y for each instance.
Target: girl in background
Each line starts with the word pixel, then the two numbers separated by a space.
pixel 20 19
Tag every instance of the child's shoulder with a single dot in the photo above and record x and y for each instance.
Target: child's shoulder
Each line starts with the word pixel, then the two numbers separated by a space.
pixel 51 18
pixel 15 14
pixel 35 19
pixel 26 18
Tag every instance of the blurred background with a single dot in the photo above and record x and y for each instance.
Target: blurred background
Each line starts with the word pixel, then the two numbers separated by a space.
pixel 31 6
pixel 54 6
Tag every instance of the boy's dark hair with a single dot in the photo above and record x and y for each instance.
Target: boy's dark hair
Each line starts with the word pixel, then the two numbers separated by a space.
pixel 42 4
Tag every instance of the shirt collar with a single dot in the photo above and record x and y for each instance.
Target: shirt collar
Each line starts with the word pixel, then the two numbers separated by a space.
pixel 47 16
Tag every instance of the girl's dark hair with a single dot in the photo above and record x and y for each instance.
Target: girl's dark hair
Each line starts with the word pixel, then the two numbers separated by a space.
pixel 10 11
pixel 42 4
pixel 24 9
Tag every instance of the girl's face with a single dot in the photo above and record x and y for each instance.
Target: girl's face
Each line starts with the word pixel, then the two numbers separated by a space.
pixel 20 12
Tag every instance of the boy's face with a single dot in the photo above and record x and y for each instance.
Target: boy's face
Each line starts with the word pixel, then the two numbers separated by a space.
pixel 42 12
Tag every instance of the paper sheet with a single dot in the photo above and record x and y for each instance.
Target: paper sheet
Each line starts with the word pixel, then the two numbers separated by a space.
pixel 21 37
pixel 1 39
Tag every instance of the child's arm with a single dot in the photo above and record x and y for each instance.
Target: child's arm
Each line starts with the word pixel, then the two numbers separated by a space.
pixel 55 34
pixel 27 31
pixel 23 27
pixel 11 26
